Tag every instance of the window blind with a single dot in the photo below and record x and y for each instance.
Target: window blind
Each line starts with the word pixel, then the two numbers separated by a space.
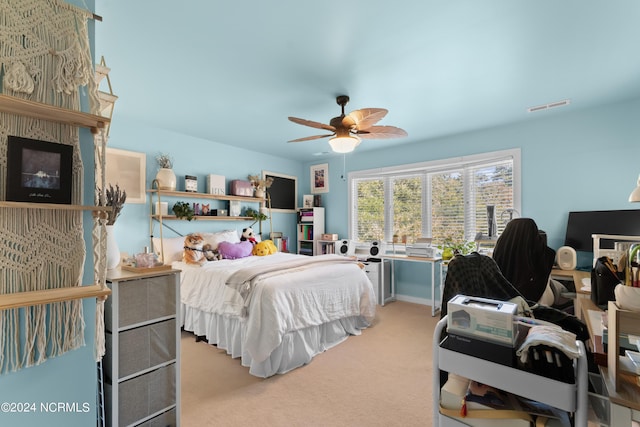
pixel 443 199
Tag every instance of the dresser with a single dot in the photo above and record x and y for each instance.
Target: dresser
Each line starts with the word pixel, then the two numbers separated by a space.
pixel 141 367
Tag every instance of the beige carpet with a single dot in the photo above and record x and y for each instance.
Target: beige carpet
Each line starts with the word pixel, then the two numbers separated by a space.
pixel 380 378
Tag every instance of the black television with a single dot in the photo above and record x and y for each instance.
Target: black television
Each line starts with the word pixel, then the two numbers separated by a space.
pixel 581 225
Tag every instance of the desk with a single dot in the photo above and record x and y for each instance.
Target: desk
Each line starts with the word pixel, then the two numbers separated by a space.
pixel 576 276
pixel 433 261
pixel 625 403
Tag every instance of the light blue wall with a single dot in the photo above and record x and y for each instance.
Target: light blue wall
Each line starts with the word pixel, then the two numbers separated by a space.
pixel 575 160
pixel 69 379
pixel 197 157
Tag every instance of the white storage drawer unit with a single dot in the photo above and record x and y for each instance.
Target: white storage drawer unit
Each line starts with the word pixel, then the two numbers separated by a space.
pixel 142 364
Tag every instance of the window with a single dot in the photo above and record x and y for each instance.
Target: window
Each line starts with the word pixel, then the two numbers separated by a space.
pixel 444 199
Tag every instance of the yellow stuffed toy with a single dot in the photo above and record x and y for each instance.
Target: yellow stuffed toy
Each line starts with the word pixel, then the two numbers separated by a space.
pixel 266 247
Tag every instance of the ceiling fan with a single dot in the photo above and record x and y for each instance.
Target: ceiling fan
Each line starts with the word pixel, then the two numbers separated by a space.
pixel 348 130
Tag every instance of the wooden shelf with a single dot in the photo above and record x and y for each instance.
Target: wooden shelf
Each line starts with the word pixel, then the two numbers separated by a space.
pixel 47 296
pixel 38 110
pixel 192 195
pixel 620 322
pixel 205 218
pixel 54 206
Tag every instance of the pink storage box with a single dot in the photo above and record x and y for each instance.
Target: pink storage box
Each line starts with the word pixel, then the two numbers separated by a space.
pixel 241 188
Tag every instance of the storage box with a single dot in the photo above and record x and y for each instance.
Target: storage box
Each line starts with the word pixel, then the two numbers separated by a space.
pixel 241 188
pixel 144 395
pixel 331 237
pixel 216 184
pixel 482 318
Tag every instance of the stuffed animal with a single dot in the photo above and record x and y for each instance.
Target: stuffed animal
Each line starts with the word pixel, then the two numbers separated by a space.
pixel 230 250
pixel 192 253
pixel 211 254
pixel 266 247
pixel 247 234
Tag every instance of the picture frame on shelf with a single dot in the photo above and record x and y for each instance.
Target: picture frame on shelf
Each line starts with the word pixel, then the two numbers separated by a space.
pixel 128 170
pixel 38 171
pixel 234 208
pixel 307 201
pixel 320 178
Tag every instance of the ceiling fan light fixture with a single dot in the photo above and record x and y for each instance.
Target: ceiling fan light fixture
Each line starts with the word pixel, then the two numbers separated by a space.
pixel 344 144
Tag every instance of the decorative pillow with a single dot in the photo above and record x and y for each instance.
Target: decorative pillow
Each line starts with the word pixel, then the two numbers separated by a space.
pixel 173 248
pixel 230 250
pixel 221 236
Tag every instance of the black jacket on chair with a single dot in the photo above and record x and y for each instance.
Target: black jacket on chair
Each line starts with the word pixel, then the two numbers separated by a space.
pixel 524 258
pixel 475 275
pixel 478 275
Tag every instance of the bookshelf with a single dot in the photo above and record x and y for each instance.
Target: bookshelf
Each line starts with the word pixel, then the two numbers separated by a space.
pixel 310 227
pixel 324 247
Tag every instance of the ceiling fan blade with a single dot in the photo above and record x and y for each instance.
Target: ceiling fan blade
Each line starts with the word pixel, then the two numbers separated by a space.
pixel 364 118
pixel 381 132
pixel 312 124
pixel 309 138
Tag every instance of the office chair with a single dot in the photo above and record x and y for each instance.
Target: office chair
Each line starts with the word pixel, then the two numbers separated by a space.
pixel 478 275
pixel 524 258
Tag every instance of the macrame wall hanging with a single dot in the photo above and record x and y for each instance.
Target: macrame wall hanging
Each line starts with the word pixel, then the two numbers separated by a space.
pixel 45 57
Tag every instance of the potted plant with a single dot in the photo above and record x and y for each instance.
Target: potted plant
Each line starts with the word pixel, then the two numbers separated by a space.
pixel 451 248
pixel 183 210
pixel 166 177
pixel 114 198
pixel 260 185
pixel 256 215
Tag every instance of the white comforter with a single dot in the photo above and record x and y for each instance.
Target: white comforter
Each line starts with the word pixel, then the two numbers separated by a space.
pixel 280 302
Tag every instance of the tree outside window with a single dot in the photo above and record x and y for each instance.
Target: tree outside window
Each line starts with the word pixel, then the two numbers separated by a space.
pixel 445 203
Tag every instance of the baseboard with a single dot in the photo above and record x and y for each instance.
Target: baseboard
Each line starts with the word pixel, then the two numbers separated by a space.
pixel 415 300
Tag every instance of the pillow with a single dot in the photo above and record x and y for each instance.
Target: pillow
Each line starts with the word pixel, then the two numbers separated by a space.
pixel 214 239
pixel 173 248
pixel 237 250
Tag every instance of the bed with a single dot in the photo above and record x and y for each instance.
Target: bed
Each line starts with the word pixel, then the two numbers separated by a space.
pixel 276 312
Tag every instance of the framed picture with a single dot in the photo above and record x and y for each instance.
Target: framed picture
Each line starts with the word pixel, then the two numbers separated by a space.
pixel 38 171
pixel 283 193
pixel 320 178
pixel 307 201
pixel 127 169
pixel 234 208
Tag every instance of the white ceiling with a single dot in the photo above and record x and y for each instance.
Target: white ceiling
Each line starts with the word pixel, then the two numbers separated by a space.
pixel 233 71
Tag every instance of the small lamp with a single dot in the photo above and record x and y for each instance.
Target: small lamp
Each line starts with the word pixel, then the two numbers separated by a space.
pixel 635 194
pixel 344 144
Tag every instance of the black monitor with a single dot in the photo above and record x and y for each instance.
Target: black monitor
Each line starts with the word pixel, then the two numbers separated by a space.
pixel 581 225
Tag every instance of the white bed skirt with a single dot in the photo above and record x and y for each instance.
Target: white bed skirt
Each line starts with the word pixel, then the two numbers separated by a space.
pixel 297 347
